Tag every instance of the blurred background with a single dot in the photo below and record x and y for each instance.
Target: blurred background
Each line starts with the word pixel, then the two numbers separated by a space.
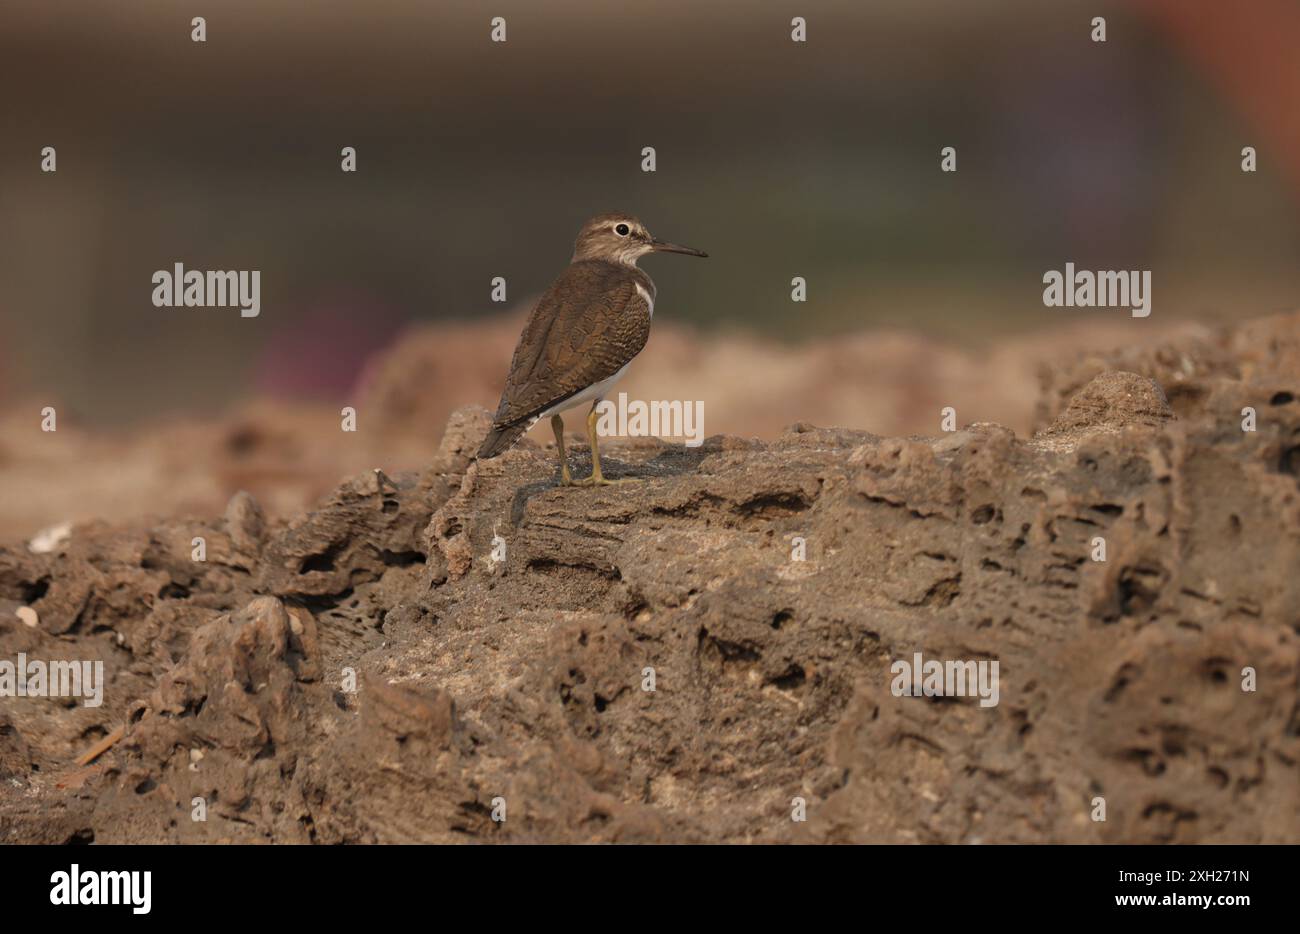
pixel 479 159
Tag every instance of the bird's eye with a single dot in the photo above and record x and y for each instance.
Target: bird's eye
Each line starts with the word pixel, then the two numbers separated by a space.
pixel 621 230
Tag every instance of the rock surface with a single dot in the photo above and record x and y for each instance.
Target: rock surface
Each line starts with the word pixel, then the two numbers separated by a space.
pixel 424 653
pixel 289 453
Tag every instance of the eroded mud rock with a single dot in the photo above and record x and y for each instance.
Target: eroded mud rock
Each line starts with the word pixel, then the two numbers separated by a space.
pixel 1258 359
pixel 15 759
pixel 245 524
pixel 1114 399
pixel 680 658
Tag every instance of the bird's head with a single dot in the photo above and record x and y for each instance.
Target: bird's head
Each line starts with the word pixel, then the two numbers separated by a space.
pixel 622 239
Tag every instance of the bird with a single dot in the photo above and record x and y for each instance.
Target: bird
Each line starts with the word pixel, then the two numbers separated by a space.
pixel 581 337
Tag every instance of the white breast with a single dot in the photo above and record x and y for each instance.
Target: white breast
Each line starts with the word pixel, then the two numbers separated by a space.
pixel 649 300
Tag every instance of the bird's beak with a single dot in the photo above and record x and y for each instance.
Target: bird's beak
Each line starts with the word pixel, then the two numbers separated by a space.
pixel 663 246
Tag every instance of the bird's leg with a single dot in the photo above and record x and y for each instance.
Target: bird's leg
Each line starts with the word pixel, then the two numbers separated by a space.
pixel 597 478
pixel 557 426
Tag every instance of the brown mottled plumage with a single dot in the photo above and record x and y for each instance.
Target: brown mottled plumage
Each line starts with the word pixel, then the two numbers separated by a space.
pixel 583 332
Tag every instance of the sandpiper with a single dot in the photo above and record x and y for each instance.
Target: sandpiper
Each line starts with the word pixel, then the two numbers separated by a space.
pixel 581 336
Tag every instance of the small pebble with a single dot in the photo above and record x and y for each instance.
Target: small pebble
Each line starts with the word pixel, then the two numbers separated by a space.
pixel 47 540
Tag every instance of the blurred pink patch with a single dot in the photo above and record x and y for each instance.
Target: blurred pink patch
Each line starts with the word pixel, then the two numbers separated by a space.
pixel 320 353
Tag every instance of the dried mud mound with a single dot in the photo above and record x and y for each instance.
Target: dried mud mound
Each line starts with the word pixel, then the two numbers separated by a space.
pixel 420 653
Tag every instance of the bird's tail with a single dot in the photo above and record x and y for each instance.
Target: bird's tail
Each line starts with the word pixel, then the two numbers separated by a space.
pixel 500 439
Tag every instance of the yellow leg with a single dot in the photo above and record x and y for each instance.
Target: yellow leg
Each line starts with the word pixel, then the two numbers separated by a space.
pixel 557 426
pixel 597 478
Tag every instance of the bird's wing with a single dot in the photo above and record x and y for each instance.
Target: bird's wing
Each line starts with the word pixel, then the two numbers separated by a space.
pixel 590 323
